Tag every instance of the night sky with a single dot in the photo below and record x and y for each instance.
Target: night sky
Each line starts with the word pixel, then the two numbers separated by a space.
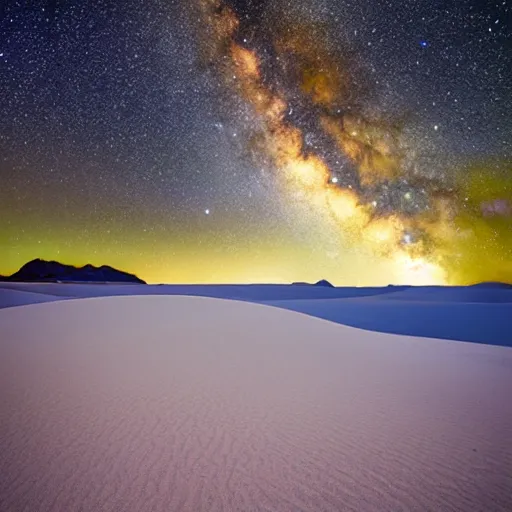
pixel 365 142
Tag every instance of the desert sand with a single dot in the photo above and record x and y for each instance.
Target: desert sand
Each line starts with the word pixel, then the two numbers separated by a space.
pixel 480 314
pixel 171 403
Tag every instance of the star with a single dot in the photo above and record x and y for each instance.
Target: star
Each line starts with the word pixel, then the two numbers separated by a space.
pixel 244 107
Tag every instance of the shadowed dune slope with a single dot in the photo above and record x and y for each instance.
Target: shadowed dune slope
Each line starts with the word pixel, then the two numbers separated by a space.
pixel 487 323
pixel 159 403
pixel 14 297
pixel 470 294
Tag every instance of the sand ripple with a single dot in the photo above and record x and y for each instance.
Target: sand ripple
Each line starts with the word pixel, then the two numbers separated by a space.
pixel 194 404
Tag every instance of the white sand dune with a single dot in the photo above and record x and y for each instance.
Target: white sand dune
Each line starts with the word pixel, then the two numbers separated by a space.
pixel 14 297
pixel 478 314
pixel 169 403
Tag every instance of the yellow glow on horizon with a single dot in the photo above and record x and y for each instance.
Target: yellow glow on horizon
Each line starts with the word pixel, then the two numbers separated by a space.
pixel 418 272
pixel 278 257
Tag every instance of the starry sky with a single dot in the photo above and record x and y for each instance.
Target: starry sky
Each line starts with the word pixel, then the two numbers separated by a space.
pixel 367 142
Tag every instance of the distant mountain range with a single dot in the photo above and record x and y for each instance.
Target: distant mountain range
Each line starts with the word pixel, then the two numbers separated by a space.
pixel 51 271
pixel 39 270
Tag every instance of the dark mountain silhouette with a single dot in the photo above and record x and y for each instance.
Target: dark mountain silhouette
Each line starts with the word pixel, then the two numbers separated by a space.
pixel 41 270
pixel 322 282
pixel 492 284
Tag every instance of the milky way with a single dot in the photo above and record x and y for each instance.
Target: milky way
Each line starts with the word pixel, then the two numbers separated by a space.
pixel 331 144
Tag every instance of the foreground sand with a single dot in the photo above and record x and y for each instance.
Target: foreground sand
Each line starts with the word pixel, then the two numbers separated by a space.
pixel 185 403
